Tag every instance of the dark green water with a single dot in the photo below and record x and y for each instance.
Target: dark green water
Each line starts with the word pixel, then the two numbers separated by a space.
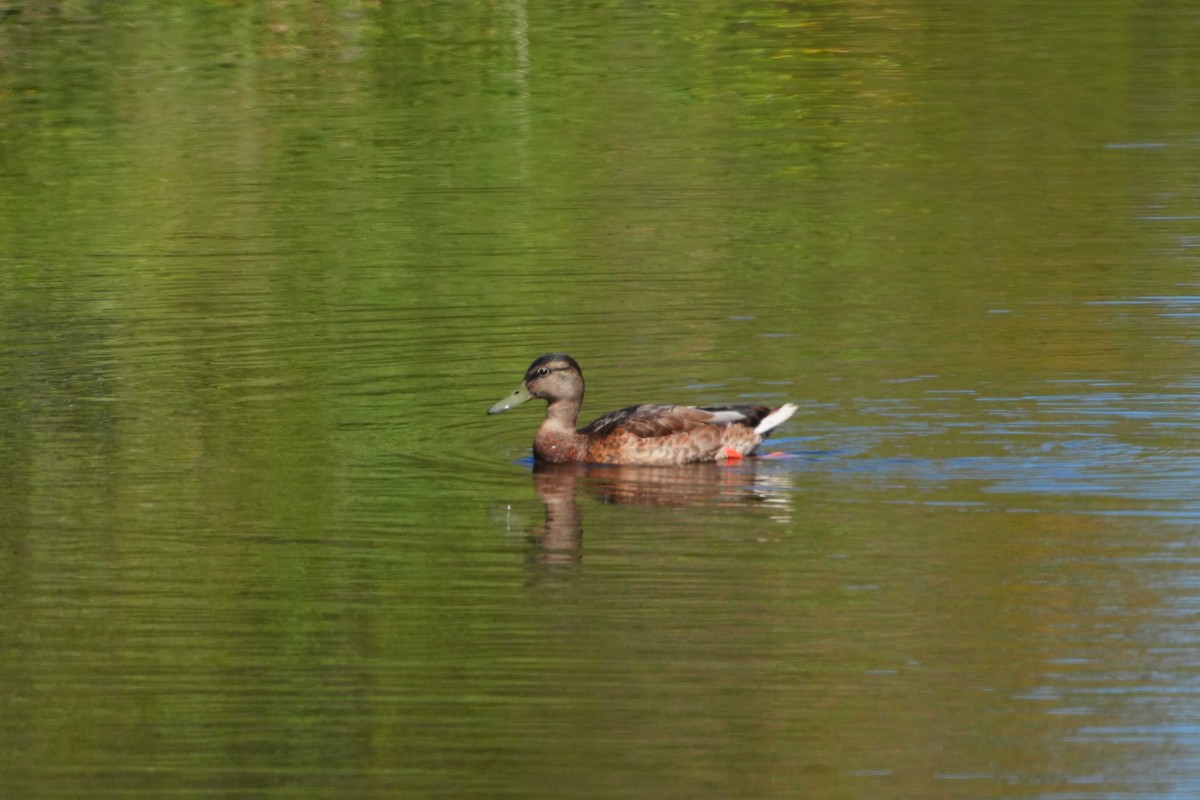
pixel 263 267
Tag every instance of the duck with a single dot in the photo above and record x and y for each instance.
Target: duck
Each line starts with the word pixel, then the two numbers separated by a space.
pixel 649 434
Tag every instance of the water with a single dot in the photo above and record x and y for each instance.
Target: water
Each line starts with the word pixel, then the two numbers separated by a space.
pixel 263 269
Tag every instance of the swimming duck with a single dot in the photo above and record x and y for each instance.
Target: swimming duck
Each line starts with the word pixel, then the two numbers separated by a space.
pixel 645 434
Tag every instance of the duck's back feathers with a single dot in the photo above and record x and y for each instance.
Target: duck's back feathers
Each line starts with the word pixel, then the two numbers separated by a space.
pixel 652 420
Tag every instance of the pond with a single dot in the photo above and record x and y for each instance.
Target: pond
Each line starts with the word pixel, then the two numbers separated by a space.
pixel 264 268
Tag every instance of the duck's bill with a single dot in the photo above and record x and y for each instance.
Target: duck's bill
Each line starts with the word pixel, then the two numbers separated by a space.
pixel 521 395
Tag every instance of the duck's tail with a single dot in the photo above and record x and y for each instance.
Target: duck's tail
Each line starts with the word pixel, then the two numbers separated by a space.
pixel 775 418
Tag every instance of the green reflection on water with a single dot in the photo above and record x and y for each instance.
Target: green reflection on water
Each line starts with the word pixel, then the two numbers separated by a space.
pixel 264 267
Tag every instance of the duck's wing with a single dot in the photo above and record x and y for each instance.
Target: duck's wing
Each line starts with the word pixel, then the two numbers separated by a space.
pixel 656 419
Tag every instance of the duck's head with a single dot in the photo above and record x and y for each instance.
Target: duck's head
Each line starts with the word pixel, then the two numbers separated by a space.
pixel 554 376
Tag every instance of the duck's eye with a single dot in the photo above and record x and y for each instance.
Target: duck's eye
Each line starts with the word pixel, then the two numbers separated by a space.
pixel 543 372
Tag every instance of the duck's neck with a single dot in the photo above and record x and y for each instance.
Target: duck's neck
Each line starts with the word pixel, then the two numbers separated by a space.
pixel 563 413
pixel 557 440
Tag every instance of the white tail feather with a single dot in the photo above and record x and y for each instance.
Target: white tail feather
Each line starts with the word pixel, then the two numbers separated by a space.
pixel 775 418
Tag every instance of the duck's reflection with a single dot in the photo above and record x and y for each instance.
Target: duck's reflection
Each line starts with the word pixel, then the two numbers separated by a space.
pixel 560 539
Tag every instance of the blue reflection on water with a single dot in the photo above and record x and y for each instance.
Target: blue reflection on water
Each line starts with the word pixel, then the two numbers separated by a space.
pixel 1093 450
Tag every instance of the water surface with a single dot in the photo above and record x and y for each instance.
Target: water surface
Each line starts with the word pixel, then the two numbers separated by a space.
pixel 263 269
